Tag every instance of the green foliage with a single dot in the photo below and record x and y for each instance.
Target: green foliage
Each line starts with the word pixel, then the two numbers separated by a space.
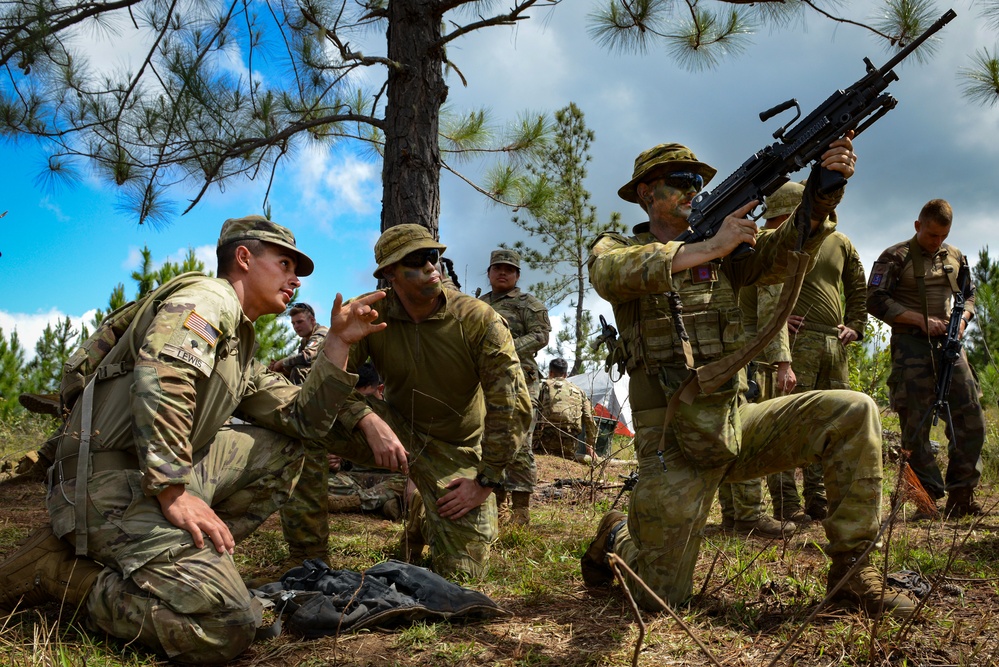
pixel 44 371
pixel 982 336
pixel 870 362
pixel 275 339
pixel 11 370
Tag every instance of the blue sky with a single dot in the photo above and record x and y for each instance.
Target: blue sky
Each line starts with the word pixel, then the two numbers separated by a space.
pixel 63 250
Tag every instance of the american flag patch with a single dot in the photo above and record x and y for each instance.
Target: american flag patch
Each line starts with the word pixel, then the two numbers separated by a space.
pixel 202 327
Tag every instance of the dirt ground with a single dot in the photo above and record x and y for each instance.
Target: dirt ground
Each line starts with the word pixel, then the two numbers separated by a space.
pixel 745 622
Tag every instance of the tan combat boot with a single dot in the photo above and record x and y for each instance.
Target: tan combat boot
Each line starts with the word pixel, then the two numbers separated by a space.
pixel 521 515
pixel 45 569
pixel 866 589
pixel 596 571
pixel 766 527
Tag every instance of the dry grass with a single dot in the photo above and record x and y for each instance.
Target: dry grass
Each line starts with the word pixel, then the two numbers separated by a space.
pixel 754 597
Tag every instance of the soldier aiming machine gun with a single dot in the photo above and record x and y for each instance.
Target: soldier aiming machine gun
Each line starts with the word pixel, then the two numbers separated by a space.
pixel 951 349
pixel 856 108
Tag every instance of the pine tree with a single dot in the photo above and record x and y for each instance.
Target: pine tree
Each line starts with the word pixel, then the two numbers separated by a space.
pixel 561 231
pixel 44 371
pixel 11 374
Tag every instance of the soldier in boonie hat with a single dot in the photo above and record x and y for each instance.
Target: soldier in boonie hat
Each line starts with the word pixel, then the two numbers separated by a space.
pixel 505 256
pixel 259 228
pixel 398 241
pixel 784 200
pixel 663 159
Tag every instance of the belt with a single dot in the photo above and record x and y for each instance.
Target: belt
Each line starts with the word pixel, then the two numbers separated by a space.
pixel 821 328
pixel 101 460
pixel 907 330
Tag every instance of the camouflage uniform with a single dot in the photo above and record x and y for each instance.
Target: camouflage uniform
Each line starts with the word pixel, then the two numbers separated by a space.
pixel 719 437
pixel 743 501
pixel 530 327
pixel 912 384
pixel 568 441
pixel 374 487
pixel 159 419
pixel 820 360
pixel 304 521
pixel 456 398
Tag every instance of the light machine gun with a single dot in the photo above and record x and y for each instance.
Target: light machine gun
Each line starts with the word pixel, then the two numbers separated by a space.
pixel 856 108
pixel 951 350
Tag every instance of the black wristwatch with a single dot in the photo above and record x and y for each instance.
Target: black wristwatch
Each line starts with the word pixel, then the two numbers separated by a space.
pixel 481 480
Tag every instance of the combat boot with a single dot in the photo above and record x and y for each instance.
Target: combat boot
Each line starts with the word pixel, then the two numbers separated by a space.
pixel 344 503
pixel 45 569
pixel 521 515
pixel 793 515
pixel 866 589
pixel 596 571
pixel 961 503
pixel 766 527
pixel 392 509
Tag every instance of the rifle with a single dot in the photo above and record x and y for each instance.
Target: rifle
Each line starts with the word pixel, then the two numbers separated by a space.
pixel 950 352
pixel 629 483
pixel 608 336
pixel 763 173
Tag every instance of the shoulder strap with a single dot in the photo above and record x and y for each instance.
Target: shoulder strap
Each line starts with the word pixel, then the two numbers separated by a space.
pixel 919 272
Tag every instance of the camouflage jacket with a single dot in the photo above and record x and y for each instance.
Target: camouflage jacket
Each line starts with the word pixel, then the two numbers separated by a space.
pixel 553 386
pixel 758 305
pixel 193 370
pixel 893 289
pixel 529 324
pixel 455 376
pixel 297 365
pixel 634 274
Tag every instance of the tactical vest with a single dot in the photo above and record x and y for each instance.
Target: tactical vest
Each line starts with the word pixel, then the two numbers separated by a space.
pixel 711 317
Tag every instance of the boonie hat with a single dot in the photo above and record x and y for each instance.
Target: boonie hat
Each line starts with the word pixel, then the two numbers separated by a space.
pixel 784 200
pixel 257 227
pixel 663 158
pixel 397 242
pixel 505 256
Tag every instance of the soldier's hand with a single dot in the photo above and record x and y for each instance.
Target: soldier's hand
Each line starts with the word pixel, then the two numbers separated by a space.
pixel 846 334
pixel 936 327
pixel 385 446
pixel 840 156
pixel 786 379
pixel 349 324
pixel 795 323
pixel 465 495
pixel 735 229
pixel 194 515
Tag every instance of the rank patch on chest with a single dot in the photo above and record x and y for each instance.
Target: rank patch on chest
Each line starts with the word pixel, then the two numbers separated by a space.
pixel 705 273
pixel 202 327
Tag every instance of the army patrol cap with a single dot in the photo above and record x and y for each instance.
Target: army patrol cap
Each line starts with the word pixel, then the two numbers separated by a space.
pixel 259 228
pixel 397 242
pixel 504 256
pixel 784 200
pixel 664 158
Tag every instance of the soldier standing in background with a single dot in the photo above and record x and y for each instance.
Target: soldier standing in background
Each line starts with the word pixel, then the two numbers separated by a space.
pixel 530 327
pixel 742 502
pixel 296 366
pixel 820 331
pixel 911 290
pixel 566 427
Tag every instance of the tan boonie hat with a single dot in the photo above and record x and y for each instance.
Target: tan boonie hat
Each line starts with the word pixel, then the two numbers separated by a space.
pixel 505 256
pixel 784 200
pixel 397 242
pixel 257 227
pixel 663 158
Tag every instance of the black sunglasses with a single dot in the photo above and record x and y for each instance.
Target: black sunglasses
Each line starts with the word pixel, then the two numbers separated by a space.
pixel 301 305
pixel 684 180
pixel 419 258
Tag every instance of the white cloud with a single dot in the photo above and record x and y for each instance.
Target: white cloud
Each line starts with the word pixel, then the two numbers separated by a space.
pixel 337 181
pixel 29 326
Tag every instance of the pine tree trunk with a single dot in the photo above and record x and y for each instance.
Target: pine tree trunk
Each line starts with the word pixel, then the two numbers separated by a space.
pixel 416 91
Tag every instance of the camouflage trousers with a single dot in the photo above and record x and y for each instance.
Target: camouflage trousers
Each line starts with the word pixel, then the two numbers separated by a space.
pixel 522 472
pixel 305 521
pixel 457 546
pixel 741 501
pixel 157 588
pixel 559 442
pixel 374 488
pixel 820 362
pixel 670 504
pixel 912 386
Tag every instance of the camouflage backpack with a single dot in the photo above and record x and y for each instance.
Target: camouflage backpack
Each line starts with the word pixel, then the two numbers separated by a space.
pixel 560 406
pixel 88 358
